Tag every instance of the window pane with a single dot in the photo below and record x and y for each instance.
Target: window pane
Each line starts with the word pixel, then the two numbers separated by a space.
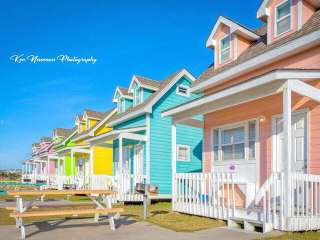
pixel 252 149
pixel 227 153
pixel 225 43
pixel 225 55
pixel 283 10
pixel 239 151
pixel 215 137
pixel 227 136
pixel 238 135
pixel 183 153
pixel 252 130
pixel 215 153
pixel 283 25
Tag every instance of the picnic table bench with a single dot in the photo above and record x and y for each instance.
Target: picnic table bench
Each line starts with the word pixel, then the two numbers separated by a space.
pixel 101 198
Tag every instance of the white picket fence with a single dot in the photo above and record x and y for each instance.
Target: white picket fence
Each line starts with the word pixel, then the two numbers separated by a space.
pixel 125 186
pixel 305 209
pixel 223 196
pixel 205 194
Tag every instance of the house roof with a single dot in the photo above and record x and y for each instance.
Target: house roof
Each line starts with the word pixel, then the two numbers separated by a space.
pixel 124 91
pixel 79 117
pixel 260 46
pixel 35 145
pixel 234 27
pixel 144 82
pixel 62 132
pixel 73 132
pixel 93 114
pixel 45 139
pixel 263 12
pixel 106 116
pixel 142 108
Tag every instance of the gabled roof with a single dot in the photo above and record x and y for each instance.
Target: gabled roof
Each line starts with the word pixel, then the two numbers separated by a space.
pixel 62 132
pixel 45 139
pixel 79 118
pixel 146 106
pixel 93 114
pixel 234 27
pixel 263 11
pixel 256 49
pixel 35 145
pixel 124 92
pixel 90 132
pixel 63 142
pixel 144 82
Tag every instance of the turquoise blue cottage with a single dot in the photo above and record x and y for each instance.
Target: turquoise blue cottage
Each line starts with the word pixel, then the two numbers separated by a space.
pixel 142 138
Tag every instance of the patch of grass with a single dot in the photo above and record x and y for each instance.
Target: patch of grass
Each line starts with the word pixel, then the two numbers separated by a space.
pixel 161 214
pixel 312 235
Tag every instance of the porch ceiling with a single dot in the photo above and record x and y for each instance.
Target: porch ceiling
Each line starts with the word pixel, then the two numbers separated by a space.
pixel 266 85
pixel 128 133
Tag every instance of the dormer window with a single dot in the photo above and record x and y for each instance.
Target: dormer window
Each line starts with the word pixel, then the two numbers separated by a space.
pixel 121 105
pixel 225 50
pixel 183 90
pixel 283 18
pixel 137 96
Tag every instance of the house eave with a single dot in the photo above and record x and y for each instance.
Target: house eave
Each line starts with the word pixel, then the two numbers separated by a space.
pixel 284 51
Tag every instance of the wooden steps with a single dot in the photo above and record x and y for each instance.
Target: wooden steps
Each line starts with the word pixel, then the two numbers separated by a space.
pixel 250 224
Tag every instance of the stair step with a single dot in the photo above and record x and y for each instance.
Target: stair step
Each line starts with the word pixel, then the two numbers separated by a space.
pixel 250 224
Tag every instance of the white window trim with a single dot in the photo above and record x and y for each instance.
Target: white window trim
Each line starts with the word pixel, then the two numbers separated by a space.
pixel 138 95
pixel 182 94
pixel 244 124
pixel 278 20
pixel 220 49
pixel 183 146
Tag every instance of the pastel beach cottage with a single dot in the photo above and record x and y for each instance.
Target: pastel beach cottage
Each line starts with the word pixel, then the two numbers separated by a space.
pixel 84 165
pixel 261 116
pixel 142 138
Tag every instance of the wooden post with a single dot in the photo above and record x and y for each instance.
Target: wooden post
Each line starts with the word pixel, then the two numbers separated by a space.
pixel 174 159
pixel 287 156
pixel 120 155
pixel 72 163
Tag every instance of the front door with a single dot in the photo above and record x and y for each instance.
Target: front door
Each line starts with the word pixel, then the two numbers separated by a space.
pixel 299 143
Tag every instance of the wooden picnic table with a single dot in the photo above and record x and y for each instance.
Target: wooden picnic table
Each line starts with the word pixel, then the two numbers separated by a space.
pixel 101 198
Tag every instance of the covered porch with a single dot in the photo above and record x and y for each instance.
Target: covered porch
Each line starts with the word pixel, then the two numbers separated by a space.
pixel 129 164
pixel 261 163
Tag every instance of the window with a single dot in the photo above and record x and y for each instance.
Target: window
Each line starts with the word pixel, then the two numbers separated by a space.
pixel 283 18
pixel 237 142
pixel 119 106
pixel 183 153
pixel 183 90
pixel 225 49
pixel 138 96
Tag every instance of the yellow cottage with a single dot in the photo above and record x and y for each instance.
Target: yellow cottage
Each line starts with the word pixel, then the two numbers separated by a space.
pixel 92 160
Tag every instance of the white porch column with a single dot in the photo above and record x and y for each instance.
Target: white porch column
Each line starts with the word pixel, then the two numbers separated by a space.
pixel 59 170
pixel 174 158
pixel 48 164
pixel 91 159
pixel 72 163
pixel 287 149
pixel 148 149
pixel 120 155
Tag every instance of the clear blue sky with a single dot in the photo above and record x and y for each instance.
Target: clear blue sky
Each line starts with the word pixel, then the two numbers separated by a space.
pixel 150 38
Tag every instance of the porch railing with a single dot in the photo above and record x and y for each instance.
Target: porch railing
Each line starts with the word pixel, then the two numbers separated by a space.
pixel 223 196
pixel 213 195
pixel 125 186
pixel 305 209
